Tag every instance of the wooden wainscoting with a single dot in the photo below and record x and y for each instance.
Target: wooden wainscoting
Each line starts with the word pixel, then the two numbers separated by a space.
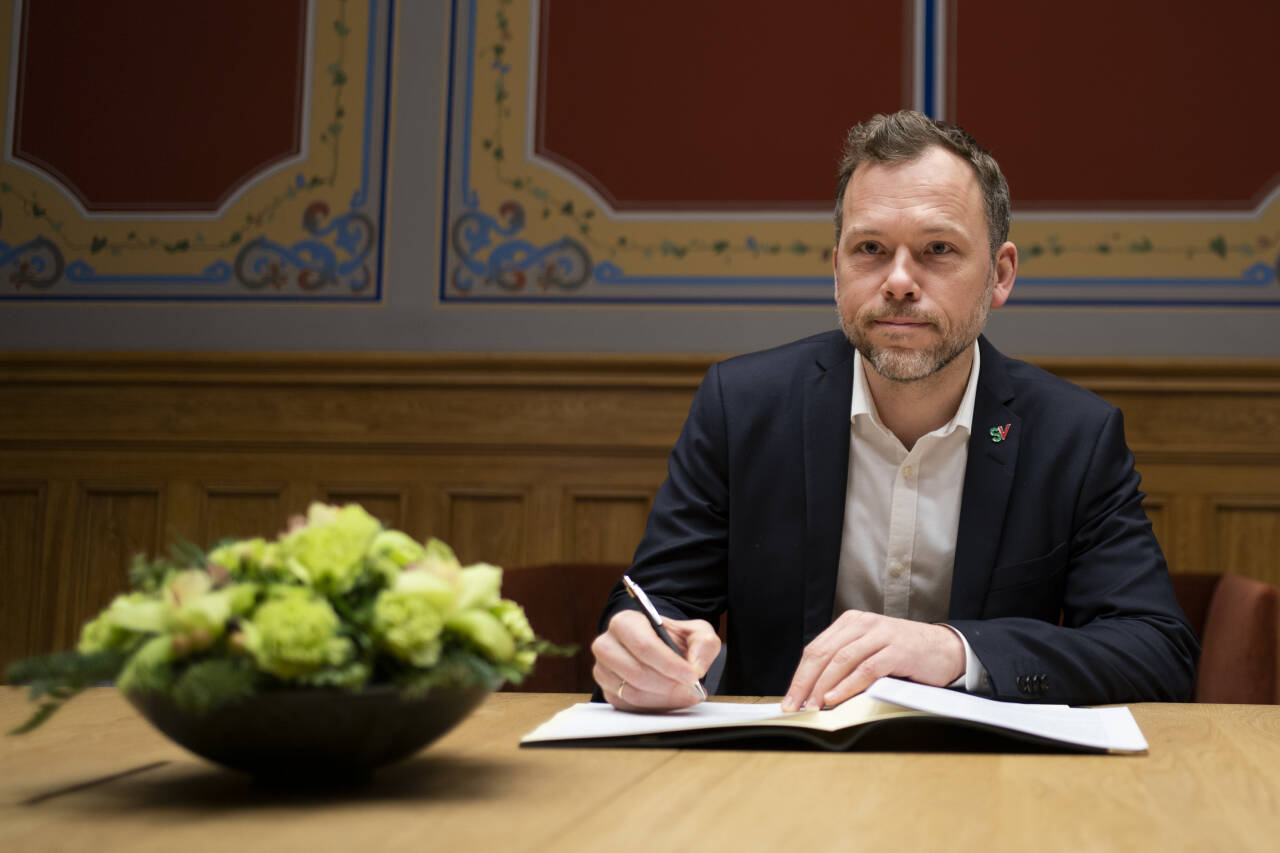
pixel 515 460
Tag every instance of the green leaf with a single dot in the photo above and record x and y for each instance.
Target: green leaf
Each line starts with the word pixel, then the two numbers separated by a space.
pixel 37 719
pixel 1218 245
pixel 209 684
pixel 97 245
pixel 567 209
pixel 720 246
pixel 341 29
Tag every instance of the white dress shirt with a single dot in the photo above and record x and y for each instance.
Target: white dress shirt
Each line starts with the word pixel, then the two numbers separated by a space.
pixel 901 516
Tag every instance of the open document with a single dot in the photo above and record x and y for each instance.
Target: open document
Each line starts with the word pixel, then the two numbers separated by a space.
pixel 889 704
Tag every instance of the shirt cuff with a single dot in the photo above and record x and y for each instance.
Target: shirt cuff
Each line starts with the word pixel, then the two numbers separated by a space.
pixel 975 678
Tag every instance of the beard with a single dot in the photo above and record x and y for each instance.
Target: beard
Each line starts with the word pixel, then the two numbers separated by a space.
pixel 905 364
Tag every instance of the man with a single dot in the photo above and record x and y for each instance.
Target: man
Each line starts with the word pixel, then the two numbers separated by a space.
pixel 899 498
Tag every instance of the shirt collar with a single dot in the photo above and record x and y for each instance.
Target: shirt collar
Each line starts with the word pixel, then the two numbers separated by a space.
pixel 962 419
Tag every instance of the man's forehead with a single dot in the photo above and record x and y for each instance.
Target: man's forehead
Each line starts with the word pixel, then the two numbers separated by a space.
pixel 936 175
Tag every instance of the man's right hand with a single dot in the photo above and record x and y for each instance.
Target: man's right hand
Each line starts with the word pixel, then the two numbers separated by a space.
pixel 639 672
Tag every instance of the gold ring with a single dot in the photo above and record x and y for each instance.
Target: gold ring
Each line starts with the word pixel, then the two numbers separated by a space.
pixel 622 687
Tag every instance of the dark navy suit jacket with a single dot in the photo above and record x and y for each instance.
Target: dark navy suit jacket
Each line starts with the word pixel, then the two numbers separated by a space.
pixel 1059 585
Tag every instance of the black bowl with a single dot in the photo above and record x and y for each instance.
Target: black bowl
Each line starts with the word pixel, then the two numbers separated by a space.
pixel 312 736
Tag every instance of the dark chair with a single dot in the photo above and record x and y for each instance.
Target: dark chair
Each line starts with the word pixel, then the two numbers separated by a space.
pixel 563 602
pixel 1238 622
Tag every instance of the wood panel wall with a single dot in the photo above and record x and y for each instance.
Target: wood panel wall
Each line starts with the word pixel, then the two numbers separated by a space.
pixel 516 460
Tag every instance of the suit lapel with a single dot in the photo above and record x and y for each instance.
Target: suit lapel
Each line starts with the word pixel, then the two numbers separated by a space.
pixel 988 480
pixel 828 393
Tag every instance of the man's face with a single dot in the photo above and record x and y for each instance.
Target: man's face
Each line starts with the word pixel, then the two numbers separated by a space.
pixel 913 269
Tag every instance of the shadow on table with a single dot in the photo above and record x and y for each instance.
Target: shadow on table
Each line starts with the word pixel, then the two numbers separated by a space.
pixel 181 785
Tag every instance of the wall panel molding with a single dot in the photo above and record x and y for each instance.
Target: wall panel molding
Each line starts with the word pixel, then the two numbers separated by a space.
pixel 513 459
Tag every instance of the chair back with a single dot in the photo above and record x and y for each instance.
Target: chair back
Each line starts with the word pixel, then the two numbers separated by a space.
pixel 563 602
pixel 1238 622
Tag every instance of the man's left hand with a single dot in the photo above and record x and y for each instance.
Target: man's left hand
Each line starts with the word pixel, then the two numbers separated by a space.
pixel 860 647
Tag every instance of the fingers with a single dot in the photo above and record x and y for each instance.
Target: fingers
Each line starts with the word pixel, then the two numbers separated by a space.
pixel 699 639
pixel 828 659
pixel 860 647
pixel 656 678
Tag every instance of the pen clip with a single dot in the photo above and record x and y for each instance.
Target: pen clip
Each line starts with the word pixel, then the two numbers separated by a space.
pixel 634 590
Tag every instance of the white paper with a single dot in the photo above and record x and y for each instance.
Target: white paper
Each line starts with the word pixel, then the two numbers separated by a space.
pixel 1112 729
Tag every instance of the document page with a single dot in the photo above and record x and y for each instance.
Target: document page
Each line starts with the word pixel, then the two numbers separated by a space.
pixel 1111 729
pixel 1103 728
pixel 597 719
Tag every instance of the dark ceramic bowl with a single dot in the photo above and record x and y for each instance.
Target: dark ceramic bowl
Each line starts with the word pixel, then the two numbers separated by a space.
pixel 313 735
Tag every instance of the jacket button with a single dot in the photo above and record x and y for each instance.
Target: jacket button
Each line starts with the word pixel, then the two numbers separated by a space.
pixel 1022 683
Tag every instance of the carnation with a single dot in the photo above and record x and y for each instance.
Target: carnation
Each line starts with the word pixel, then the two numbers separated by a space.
pixel 296 634
pixel 409 625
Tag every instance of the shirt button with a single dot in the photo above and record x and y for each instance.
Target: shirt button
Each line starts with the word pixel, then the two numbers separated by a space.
pixel 895 569
pixel 908 472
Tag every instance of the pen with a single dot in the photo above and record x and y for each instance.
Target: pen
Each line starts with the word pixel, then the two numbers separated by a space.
pixel 655 619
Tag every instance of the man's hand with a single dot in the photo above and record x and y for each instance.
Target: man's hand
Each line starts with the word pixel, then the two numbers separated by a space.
pixel 859 647
pixel 638 672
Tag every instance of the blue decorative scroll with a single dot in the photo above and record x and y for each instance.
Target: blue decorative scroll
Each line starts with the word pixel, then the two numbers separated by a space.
pixel 36 263
pixel 312 264
pixel 564 264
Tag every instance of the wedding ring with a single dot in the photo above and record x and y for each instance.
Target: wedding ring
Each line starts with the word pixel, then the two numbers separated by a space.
pixel 622 687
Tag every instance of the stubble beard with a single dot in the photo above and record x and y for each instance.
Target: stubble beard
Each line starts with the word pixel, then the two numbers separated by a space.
pixel 903 364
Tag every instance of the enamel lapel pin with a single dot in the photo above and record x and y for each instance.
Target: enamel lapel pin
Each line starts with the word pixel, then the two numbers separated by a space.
pixel 1000 433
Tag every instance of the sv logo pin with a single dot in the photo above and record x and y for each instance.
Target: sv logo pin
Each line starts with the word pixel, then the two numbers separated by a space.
pixel 1000 433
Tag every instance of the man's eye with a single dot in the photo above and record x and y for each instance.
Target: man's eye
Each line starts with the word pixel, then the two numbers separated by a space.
pixel 938 248
pixel 871 248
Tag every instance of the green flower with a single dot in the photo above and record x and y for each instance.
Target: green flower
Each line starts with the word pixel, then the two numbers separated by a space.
pixel 439 559
pixel 479 587
pixel 514 620
pixel 125 619
pixel 102 634
pixel 484 631
pixel 391 551
pixel 295 633
pixel 147 668
pixel 328 552
pixel 409 625
pixel 255 559
pixel 196 614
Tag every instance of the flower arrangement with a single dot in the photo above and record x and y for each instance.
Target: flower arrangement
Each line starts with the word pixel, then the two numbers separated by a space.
pixel 336 601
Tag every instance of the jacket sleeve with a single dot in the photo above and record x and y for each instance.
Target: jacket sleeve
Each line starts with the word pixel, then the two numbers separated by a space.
pixel 1122 637
pixel 681 560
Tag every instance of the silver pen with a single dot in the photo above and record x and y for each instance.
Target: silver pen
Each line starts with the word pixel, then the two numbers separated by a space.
pixel 655 619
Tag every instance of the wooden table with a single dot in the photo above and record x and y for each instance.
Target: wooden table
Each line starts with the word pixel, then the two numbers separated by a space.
pixel 98 778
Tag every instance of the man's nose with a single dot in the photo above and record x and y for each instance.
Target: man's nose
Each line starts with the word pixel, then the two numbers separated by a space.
pixel 900 283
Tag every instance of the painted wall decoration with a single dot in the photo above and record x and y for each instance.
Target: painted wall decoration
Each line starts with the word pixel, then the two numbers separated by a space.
pixel 680 153
pixel 225 150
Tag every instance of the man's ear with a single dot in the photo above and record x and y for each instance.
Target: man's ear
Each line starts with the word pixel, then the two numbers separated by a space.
pixel 835 275
pixel 1006 270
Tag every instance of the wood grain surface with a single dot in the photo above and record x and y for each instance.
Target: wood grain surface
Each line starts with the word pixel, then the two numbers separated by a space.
pixel 97 777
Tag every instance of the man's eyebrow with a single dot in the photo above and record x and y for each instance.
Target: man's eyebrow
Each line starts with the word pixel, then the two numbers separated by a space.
pixel 939 227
